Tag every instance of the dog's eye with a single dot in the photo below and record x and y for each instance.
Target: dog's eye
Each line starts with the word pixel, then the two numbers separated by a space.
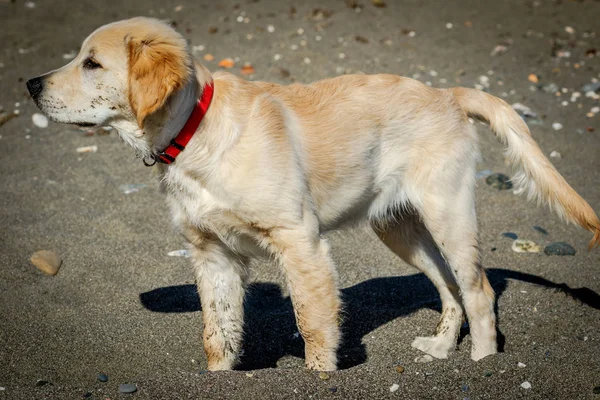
pixel 91 64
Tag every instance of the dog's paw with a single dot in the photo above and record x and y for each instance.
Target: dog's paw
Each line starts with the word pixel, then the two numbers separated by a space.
pixel 436 346
pixel 479 353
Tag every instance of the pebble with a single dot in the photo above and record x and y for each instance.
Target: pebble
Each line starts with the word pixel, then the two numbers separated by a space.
pixel 540 230
pixel 555 154
pixel 399 369
pixel 523 110
pixel 487 374
pixel 499 181
pixel 596 390
pixel 41 382
pixel 103 378
pixel 424 359
pixel 87 395
pixel 128 388
pixel 526 385
pixel 591 87
pixel 394 387
pixel 521 365
pixel 510 235
pixel 557 126
pixel 46 261
pixel 525 246
pixel 39 120
pixel 323 376
pixel 559 249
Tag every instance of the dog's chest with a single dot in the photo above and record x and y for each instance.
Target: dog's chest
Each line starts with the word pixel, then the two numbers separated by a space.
pixel 193 204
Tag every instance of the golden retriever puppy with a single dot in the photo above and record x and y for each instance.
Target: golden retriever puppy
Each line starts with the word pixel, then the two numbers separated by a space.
pixel 257 168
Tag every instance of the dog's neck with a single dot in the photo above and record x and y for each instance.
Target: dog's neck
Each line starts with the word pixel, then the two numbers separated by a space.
pixel 179 109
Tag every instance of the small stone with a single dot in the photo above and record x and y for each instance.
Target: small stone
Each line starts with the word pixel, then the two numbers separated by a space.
pixel 128 388
pixel 103 377
pixel 249 374
pixel 499 181
pixel 333 389
pixel 540 230
pixel 525 246
pixel 510 235
pixel 46 261
pixel 87 395
pixel 557 126
pixel 591 87
pixel 394 387
pixel 41 382
pixel 555 154
pixel 521 365
pixel 559 249
pixel 399 369
pixel 323 376
pixel 596 390
pixel 39 120
pixel 533 78
pixel 526 385
pixel 487 374
pixel 424 359
pixel 569 30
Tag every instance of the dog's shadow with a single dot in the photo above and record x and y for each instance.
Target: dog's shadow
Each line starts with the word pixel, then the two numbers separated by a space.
pixel 270 327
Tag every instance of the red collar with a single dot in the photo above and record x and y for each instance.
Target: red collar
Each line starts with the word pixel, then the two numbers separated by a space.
pixel 168 155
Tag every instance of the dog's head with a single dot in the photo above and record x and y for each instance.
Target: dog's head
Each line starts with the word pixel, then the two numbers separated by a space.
pixel 125 72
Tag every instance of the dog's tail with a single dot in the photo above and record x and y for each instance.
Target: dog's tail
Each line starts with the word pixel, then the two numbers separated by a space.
pixel 535 173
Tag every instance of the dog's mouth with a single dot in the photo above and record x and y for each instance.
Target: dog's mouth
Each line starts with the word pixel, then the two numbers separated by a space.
pixel 85 124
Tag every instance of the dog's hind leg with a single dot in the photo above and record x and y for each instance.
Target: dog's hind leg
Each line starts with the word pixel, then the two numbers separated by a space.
pixel 408 238
pixel 220 276
pixel 448 212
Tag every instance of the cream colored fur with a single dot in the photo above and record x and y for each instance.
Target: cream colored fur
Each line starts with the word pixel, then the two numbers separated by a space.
pixel 273 167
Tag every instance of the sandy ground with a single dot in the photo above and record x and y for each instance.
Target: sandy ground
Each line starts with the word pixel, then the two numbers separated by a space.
pixel 121 306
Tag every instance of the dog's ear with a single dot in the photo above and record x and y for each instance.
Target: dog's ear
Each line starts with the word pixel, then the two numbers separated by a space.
pixel 158 67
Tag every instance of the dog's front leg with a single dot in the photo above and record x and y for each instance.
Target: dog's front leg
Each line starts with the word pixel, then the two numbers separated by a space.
pixel 220 276
pixel 312 282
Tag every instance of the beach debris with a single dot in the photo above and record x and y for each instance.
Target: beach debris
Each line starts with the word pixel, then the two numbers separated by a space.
pixel 525 246
pixel 379 3
pixel 247 69
pixel 226 63
pixel 87 149
pixel 559 249
pixel 40 120
pixel 499 181
pixel 129 188
pixel 179 253
pixel 46 261
pixel 4 118
pixel 499 50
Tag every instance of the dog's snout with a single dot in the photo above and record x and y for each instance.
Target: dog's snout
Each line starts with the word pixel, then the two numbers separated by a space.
pixel 35 86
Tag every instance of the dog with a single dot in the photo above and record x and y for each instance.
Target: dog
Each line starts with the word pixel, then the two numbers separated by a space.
pixel 256 168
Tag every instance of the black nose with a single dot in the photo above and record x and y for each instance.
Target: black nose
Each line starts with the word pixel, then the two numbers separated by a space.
pixel 35 87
